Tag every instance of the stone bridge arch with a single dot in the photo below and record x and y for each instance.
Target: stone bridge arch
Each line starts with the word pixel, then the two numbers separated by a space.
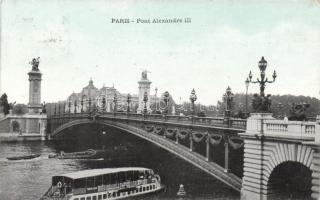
pixel 181 151
pixel 262 157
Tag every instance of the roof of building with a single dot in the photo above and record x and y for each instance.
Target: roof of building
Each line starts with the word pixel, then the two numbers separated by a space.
pixel 97 172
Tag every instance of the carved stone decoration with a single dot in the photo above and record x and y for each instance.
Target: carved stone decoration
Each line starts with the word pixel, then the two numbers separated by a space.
pixel 149 128
pixel 198 136
pixel 261 104
pixel 215 139
pixel 183 133
pixel 298 111
pixel 170 132
pixel 158 130
pixel 236 142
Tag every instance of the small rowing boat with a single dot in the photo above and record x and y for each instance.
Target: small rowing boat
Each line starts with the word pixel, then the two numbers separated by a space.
pixel 25 157
pixel 90 153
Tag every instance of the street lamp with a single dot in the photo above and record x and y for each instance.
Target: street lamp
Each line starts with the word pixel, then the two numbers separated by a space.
pixel 81 102
pixel 128 101
pixel 75 106
pixel 115 103
pixel 103 103
pixel 193 98
pixel 89 104
pixel 145 100
pixel 156 89
pixel 69 106
pixel 228 98
pixel 262 66
pixel 247 85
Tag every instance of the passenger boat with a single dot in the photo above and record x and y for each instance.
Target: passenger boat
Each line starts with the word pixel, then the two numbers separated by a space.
pixel 25 157
pixel 90 153
pixel 107 183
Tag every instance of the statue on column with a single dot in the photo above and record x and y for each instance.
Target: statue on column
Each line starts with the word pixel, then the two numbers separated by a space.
pixel 35 64
pixel 144 74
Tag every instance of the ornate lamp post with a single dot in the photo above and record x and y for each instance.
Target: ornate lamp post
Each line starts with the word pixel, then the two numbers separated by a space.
pixel 145 100
pixel 247 85
pixel 69 106
pixel 166 99
pixel 115 103
pixel 75 106
pixel 228 98
pixel 262 66
pixel 81 102
pixel 262 103
pixel 103 103
pixel 193 98
pixel 156 89
pixel 89 104
pixel 128 103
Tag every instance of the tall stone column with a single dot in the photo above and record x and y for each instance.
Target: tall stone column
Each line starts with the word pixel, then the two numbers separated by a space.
pixel 144 86
pixel 34 88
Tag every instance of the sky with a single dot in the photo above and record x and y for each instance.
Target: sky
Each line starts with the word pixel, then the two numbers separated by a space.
pixel 76 40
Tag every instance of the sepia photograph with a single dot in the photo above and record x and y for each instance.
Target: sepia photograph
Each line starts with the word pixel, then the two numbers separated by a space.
pixel 159 99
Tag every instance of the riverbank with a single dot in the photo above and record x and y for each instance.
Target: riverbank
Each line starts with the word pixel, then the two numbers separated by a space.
pixel 15 137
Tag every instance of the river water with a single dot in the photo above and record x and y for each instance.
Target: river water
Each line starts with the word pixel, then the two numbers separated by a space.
pixel 29 179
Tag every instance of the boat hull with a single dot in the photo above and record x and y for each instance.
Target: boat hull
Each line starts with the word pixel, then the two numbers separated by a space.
pixel 27 157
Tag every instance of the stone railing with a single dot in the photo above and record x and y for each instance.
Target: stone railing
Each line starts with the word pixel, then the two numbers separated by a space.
pixel 235 123
pixel 303 129
pixel 264 123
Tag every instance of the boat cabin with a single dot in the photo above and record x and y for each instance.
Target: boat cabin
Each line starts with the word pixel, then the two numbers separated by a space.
pixel 114 180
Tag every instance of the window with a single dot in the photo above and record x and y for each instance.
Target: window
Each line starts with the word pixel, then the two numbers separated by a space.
pixel 90 182
pixel 82 198
pixel 121 177
pixel 144 189
pixel 76 199
pixel 106 179
pixel 88 198
pixel 98 180
pixel 154 187
pixel 94 197
pixel 99 197
pixel 80 183
pixel 104 196
pixel 147 188
pixel 140 189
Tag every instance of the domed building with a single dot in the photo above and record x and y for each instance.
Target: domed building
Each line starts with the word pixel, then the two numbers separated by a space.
pixel 91 96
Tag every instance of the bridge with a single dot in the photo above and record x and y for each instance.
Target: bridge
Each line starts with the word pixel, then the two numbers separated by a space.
pixel 167 131
pixel 267 143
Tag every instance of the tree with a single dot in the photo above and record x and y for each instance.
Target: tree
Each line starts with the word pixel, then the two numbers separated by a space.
pixel 4 103
pixel 20 109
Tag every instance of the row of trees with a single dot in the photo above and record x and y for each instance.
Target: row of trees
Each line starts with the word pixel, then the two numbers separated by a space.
pixel 282 105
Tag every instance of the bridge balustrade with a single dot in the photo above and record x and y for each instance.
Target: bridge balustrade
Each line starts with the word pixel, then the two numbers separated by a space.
pixel 303 129
pixel 208 121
